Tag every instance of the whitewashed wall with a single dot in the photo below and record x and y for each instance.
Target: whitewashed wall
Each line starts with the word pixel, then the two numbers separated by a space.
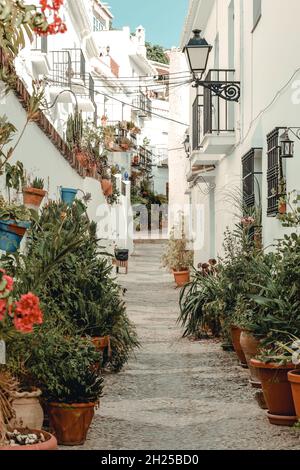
pixel 268 70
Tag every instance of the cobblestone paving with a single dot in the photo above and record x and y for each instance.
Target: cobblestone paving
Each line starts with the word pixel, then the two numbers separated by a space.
pixel 176 394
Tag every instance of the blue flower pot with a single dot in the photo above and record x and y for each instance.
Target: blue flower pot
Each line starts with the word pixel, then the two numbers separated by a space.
pixel 68 195
pixel 11 234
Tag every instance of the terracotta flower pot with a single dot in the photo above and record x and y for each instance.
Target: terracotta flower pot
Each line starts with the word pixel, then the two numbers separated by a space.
pixel 101 343
pixel 181 277
pixel 236 341
pixel 49 444
pixel 33 197
pixel 107 187
pixel 294 379
pixel 250 347
pixel 277 392
pixel 71 422
pixel 282 208
pixel 28 410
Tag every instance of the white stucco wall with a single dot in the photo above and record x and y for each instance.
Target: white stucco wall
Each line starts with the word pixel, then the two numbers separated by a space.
pixel 269 72
pixel 179 111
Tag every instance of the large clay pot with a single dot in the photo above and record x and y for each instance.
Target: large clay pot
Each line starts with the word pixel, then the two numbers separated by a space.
pixel 236 341
pixel 181 278
pixel 294 379
pixel 277 392
pixel 49 444
pixel 71 422
pixel 250 347
pixel 33 197
pixel 28 410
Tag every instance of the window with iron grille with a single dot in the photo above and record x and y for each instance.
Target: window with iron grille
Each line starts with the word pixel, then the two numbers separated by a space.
pixel 248 179
pixel 273 174
pixel 252 172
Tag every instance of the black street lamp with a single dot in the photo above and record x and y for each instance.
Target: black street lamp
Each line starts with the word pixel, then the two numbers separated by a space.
pixel 286 145
pixel 197 53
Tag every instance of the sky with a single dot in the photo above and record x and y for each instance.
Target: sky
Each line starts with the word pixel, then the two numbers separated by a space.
pixel 162 19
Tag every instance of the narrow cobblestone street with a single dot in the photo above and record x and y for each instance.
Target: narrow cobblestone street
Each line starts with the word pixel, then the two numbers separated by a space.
pixel 176 394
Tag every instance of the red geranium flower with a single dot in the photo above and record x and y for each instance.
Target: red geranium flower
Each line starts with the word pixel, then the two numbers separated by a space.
pixel 27 313
pixel 2 309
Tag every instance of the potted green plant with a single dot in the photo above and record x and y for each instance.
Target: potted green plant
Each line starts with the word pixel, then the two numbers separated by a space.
pixel 18 316
pixel 177 258
pixel 34 193
pixel 73 389
pixel 14 221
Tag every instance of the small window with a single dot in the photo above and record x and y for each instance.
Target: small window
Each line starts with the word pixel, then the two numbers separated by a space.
pixel 252 171
pixel 256 13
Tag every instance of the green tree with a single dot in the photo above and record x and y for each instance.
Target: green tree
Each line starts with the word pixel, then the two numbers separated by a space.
pixel 156 53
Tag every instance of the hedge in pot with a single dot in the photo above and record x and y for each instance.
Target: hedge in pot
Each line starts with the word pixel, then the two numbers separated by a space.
pixel 34 193
pixel 177 258
pixel 73 388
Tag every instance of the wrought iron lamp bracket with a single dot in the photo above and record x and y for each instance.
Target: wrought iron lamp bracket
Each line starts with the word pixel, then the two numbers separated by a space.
pixel 295 131
pixel 229 91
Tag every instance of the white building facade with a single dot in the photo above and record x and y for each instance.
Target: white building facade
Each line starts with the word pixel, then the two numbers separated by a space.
pixel 105 73
pixel 235 147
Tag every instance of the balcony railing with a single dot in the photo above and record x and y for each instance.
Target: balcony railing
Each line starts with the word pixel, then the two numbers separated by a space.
pixel 68 65
pixel 211 113
pixel 142 105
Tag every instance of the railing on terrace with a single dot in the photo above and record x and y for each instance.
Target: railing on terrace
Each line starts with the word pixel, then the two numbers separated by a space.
pixel 41 120
pixel 211 113
pixel 143 103
pixel 68 65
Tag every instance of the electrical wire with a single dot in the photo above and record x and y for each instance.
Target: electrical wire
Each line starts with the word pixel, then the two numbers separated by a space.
pixel 123 102
pixel 277 95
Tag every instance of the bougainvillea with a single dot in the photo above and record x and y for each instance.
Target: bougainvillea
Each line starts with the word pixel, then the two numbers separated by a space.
pixel 21 314
pixel 51 11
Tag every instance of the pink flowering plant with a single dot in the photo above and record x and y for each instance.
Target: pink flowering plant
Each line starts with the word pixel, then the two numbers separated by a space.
pixel 17 315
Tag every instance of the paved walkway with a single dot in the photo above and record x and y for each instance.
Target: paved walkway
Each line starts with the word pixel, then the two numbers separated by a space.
pixel 176 394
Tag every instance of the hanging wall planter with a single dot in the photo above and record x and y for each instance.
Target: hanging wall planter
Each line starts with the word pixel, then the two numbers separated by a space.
pixel 33 197
pixel 68 195
pixel 11 234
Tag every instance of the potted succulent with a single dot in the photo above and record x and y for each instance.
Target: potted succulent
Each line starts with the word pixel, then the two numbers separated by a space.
pixel 178 259
pixel 14 221
pixel 34 194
